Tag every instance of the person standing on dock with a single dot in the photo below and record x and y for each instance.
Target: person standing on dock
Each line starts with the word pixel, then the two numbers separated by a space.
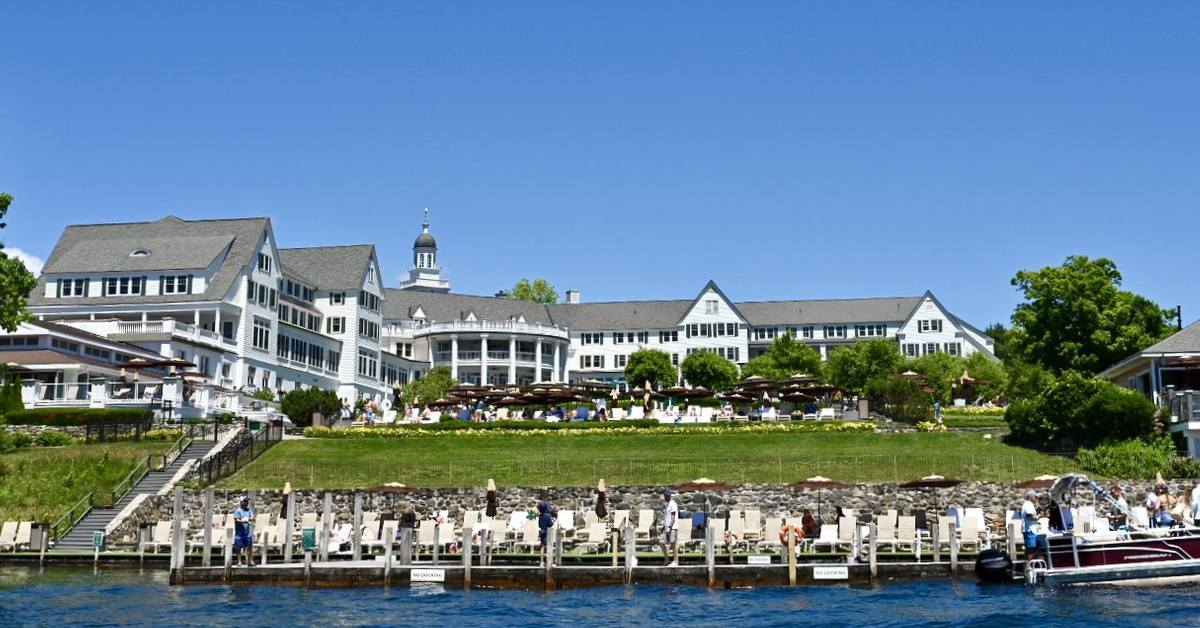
pixel 243 542
pixel 545 521
pixel 1030 525
pixel 670 535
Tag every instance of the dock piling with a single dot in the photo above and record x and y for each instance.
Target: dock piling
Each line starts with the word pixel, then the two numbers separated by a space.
pixel 791 556
pixel 406 557
pixel 437 540
pixel 710 554
pixel 630 553
pixel 953 549
pixel 356 535
pixel 873 550
pixel 228 553
pixel 307 568
pixel 466 556
pixel 287 528
pixel 206 556
pixel 390 534
pixel 326 525
pixel 177 529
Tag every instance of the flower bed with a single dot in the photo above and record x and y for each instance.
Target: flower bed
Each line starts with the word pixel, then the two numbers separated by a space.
pixel 538 428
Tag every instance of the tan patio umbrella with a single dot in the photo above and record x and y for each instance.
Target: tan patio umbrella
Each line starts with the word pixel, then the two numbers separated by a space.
pixel 601 499
pixel 493 503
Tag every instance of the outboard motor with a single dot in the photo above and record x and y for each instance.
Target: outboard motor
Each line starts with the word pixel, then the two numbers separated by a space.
pixel 994 565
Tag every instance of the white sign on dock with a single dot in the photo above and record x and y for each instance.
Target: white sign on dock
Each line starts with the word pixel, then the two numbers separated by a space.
pixel 758 560
pixel 427 575
pixel 832 572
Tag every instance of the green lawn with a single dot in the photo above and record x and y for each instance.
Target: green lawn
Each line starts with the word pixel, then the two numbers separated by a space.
pixel 36 483
pixel 639 459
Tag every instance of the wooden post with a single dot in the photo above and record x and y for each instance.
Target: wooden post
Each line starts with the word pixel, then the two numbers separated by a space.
pixel 406 557
pixel 558 546
pixel 873 550
pixel 953 549
pixel 206 556
pixel 710 554
pixel 484 559
pixel 466 556
pixel 1011 541
pixel 177 528
pixel 791 550
pixel 615 545
pixel 307 568
pixel 855 545
pixel 356 535
pixel 326 525
pixel 937 544
pixel 45 532
pixel 266 537
pixel 228 552
pixel 287 528
pixel 630 553
pixel 388 532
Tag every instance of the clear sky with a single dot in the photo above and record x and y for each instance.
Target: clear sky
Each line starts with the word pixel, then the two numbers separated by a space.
pixel 631 150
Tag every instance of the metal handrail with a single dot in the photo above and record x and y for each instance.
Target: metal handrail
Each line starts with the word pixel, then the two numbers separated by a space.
pixel 176 450
pixel 116 493
pixel 57 530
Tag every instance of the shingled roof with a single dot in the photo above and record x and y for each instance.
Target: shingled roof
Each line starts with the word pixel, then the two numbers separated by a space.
pixel 870 310
pixel 173 244
pixel 1186 340
pixel 621 314
pixel 444 307
pixel 329 267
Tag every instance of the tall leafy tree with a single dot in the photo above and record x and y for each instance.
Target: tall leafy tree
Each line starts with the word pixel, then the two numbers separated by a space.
pixel 429 388
pixel 999 333
pixel 707 369
pixel 650 365
pixel 852 367
pixel 786 357
pixel 16 282
pixel 537 291
pixel 1076 317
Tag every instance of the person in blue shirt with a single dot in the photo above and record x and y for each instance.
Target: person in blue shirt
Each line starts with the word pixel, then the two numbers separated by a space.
pixel 243 540
pixel 545 522
pixel 582 413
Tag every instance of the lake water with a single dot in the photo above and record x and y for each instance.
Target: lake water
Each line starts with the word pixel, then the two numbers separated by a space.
pixel 74 596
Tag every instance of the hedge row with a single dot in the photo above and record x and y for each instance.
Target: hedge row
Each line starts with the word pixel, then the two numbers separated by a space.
pixel 62 417
pixel 537 428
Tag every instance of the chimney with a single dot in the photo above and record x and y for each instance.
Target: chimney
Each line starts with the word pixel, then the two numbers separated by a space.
pixel 573 296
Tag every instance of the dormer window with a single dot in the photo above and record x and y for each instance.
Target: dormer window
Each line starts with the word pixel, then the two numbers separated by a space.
pixel 139 253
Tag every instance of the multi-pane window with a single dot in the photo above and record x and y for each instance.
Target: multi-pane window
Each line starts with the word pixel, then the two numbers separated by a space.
pixel 764 333
pixel 103 354
pixel 591 361
pixel 643 337
pixel 72 287
pixel 175 284
pixel 591 338
pixel 370 301
pixel 931 348
pixel 619 361
pixel 368 329
pixel 929 325
pixel 264 262
pixel 835 331
pixel 123 285
pixel 337 298
pixel 705 330
pixel 806 331
pixel 953 348
pixel 335 324
pixel 912 350
pixel 668 336
pixel 66 345
pixel 331 360
pixel 404 349
pixel 869 331
pixel 262 334
pixel 619 337
pixel 710 306
pixel 368 363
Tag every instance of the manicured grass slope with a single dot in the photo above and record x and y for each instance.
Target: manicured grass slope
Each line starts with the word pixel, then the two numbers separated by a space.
pixel 40 482
pixel 629 459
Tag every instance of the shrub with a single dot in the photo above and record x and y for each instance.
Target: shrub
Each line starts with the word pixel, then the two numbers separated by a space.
pixel 52 438
pixel 540 429
pixel 899 399
pixel 10 441
pixel 169 435
pixel 264 394
pixel 10 394
pixel 299 405
pixel 62 417
pixel 1079 411
pixel 1139 458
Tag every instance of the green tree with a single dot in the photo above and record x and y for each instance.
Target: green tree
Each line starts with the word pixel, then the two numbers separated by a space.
pixel 786 357
pixel 650 365
pixel 16 282
pixel 537 291
pixel 1076 317
pixel 429 388
pixel 300 404
pixel 1025 380
pixel 939 369
pixel 899 399
pixel 999 333
pixel 1078 410
pixel 991 380
pixel 707 369
pixel 852 367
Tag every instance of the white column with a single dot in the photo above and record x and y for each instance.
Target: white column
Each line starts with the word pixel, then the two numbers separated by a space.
pixel 566 363
pixel 196 318
pixel 454 357
pixel 483 360
pixel 512 360
pixel 217 322
pixel 537 361
pixel 556 370
pixel 823 353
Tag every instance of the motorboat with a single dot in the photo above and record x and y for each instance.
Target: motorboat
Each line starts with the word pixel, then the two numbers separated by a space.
pixel 1136 554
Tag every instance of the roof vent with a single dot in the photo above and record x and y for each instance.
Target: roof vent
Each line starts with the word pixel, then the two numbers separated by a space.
pixel 139 253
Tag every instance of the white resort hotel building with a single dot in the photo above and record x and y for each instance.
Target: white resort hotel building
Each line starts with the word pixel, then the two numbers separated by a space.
pixel 222 296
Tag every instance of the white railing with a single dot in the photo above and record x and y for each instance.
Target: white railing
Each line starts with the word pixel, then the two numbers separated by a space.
pixel 525 356
pixel 62 394
pixel 497 355
pixel 511 327
pixel 175 328
pixel 468 355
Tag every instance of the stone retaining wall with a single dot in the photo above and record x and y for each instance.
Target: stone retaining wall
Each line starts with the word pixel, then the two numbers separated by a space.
pixel 76 431
pixel 994 498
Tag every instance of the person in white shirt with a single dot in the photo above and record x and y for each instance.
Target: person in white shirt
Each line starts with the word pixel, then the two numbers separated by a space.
pixel 670 536
pixel 1030 525
pixel 1116 516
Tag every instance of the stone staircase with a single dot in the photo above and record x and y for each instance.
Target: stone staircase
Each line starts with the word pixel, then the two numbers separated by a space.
pixel 79 539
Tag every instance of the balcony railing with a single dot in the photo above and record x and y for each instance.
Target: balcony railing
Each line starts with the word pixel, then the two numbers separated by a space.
pixel 170 326
pixel 511 327
pixel 525 356
pixel 498 355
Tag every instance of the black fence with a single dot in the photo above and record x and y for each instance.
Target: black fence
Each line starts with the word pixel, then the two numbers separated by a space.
pixel 245 447
pixel 106 431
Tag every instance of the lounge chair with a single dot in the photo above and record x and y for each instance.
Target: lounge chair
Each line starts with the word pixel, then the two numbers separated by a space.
pixel 737 529
pixel 753 526
pixel 595 538
pixel 828 537
pixel 906 532
pixel 161 536
pixel 24 535
pixel 770 536
pixel 846 527
pixel 620 518
pixel 8 535
pixel 969 534
pixel 589 517
pixel 827 414
pixel 566 523
pixel 529 538
pixel 645 523
pixel 943 529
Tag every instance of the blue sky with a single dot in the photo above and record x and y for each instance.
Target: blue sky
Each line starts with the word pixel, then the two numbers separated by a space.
pixel 631 150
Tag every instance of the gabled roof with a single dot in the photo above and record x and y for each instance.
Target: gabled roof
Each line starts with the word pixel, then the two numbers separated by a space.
pixel 445 307
pixel 329 267
pixel 870 310
pixel 711 285
pixel 174 244
pixel 1186 340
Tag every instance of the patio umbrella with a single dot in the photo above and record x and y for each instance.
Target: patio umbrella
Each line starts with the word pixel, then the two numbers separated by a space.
pixel 933 481
pixel 736 396
pixel 757 382
pixel 800 378
pixel 508 400
pixel 493 502
pixel 820 483
pixel 913 375
pixel 601 500
pixel 798 397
